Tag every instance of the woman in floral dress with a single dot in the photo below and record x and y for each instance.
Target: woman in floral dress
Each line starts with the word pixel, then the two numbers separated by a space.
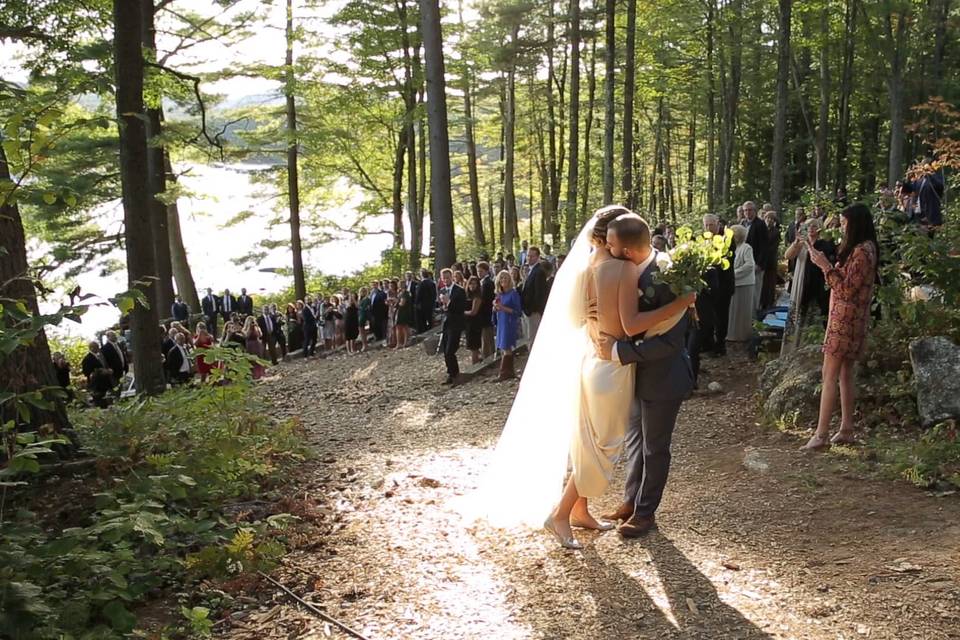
pixel 851 282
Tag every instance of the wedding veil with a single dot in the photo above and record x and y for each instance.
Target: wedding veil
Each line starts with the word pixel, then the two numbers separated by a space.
pixel 524 480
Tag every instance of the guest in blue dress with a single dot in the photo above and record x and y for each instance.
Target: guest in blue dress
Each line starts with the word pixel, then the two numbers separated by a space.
pixel 507 314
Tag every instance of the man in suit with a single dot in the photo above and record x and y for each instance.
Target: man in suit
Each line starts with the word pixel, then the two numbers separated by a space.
pixel 534 295
pixel 309 326
pixel 378 311
pixel 411 286
pixel 245 303
pixel 211 309
pixel 268 328
pixel 177 363
pixel 453 325
pixel 664 378
pixel 758 238
pixel 426 301
pixel 228 305
pixel 488 293
pixel 179 310
pixel 98 375
pixel 723 285
pixel 929 189
pixel 114 357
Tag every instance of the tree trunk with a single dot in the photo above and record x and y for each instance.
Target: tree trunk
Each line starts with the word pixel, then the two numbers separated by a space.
pixel 156 179
pixel 293 176
pixel 509 143
pixel 778 157
pixel 399 157
pixel 711 111
pixel 573 164
pixel 896 47
pixel 731 105
pixel 441 202
pixel 471 145
pixel 629 68
pixel 552 167
pixel 182 274
pixel 846 91
pixel 141 257
pixel 28 367
pixel 410 100
pixel 591 99
pixel 609 98
pixel 691 160
pixel 824 115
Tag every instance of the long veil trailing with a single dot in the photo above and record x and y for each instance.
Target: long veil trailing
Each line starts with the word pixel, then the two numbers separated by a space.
pixel 525 478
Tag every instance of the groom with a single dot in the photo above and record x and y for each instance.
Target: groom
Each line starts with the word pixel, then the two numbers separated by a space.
pixel 664 380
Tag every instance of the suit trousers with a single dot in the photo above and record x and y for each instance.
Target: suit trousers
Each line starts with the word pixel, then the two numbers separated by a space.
pixel 758 289
pixel 309 339
pixel 533 323
pixel 211 322
pixel 722 322
pixel 648 452
pixel 488 341
pixel 451 342
pixel 270 342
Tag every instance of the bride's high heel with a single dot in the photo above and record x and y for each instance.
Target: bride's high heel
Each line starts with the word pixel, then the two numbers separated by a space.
pixel 601 525
pixel 566 543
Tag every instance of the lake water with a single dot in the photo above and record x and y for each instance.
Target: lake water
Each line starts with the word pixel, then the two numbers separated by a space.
pixel 219 193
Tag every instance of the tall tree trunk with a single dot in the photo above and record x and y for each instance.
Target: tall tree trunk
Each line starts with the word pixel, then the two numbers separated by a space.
pixel 941 20
pixel 156 178
pixel 823 125
pixel 178 253
pixel 778 158
pixel 591 100
pixel 731 99
pixel 471 145
pixel 846 91
pixel 509 141
pixel 492 220
pixel 28 367
pixel 441 202
pixel 711 110
pixel 399 156
pixel 293 150
pixel 422 147
pixel 896 34
pixel 609 98
pixel 141 256
pixel 552 166
pixel 414 212
pixel 573 164
pixel 629 70
pixel 691 160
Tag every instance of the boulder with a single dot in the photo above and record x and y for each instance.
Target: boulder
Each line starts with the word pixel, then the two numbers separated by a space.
pixel 936 369
pixel 789 385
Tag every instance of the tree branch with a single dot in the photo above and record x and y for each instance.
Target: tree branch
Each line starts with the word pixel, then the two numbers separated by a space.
pixel 214 141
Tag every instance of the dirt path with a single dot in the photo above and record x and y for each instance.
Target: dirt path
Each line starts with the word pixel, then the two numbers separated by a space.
pixel 755 540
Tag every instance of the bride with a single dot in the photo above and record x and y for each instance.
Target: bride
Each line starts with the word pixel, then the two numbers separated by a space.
pixel 570 404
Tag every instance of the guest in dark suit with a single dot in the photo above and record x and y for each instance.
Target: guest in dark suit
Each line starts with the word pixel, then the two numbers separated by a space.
pixel 453 325
pixel 211 310
pixel 268 331
pixel 378 311
pixel 488 293
pixel 758 237
pixel 114 357
pixel 702 336
pixel 177 363
pixel 929 189
pixel 426 301
pixel 179 310
pixel 722 295
pixel 98 375
pixel 228 305
pixel 309 326
pixel 534 293
pixel 410 284
pixel 245 304
pixel 279 331
pixel 664 378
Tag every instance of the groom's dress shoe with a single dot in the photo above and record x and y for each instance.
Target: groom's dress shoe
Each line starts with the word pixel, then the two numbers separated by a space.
pixel 637 526
pixel 623 512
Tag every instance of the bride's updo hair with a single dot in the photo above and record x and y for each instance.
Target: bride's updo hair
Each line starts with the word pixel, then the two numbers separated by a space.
pixel 602 219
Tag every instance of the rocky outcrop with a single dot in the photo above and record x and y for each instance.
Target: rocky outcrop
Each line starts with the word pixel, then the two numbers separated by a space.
pixel 936 369
pixel 790 383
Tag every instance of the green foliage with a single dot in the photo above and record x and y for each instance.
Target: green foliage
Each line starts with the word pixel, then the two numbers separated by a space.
pixel 928 460
pixel 692 256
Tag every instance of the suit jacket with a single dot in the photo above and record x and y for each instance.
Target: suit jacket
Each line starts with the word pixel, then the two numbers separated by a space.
pixel 426 298
pixel 89 364
pixel 758 237
pixel 166 345
pixel 180 311
pixel 245 305
pixel 309 317
pixel 664 371
pixel 534 292
pixel 456 308
pixel 728 282
pixel 378 305
pixel 262 323
pixel 210 305
pixel 233 306
pixel 115 360
pixel 174 361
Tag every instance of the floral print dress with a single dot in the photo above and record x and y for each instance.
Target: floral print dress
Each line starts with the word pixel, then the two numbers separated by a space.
pixel 851 288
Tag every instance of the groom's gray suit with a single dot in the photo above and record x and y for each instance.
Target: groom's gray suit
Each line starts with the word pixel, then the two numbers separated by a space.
pixel 664 379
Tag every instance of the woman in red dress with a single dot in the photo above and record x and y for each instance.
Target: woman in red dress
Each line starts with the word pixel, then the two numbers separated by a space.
pixel 851 283
pixel 201 341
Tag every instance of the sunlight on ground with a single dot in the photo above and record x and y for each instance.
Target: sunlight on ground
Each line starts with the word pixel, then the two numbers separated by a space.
pixel 413 415
pixel 362 374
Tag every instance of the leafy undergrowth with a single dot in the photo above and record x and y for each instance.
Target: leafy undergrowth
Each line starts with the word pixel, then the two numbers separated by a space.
pixel 161 512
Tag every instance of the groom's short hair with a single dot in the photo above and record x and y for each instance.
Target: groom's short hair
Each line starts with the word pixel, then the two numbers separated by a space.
pixel 631 230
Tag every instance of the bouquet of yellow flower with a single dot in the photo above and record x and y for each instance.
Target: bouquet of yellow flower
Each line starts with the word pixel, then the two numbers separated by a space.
pixel 682 268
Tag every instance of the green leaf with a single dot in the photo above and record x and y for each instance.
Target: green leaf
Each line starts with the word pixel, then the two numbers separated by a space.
pixel 49 198
pixel 119 616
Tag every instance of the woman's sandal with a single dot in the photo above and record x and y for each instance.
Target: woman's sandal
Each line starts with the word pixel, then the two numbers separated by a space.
pixel 844 436
pixel 816 443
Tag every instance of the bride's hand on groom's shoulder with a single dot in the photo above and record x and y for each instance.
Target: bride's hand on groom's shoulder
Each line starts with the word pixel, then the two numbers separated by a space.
pixel 604 346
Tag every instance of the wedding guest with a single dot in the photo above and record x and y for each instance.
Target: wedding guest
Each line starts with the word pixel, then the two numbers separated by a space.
pixel 244 303
pixel 378 311
pixel 392 299
pixel 546 255
pixel 474 321
pixel 799 217
pixel 363 316
pixel 659 242
pixel 201 343
pixel 341 302
pixel 769 292
pixel 331 314
pixel 228 305
pixel 166 340
pixel 459 279
pixel 114 357
pixel 294 327
pixel 178 361
pixel 517 278
pixel 508 309
pixel 851 282
pixel 309 318
pixel 211 309
pixel 534 294
pixel 548 272
pixel 351 324
pixel 453 325
pixel 279 331
pixel 488 292
pixel 426 301
pixel 758 238
pixel 928 191
pixel 267 324
pixel 404 317
pixel 232 337
pixel 814 285
pixel 253 338
pixel 62 368
pixel 179 310
pixel 740 324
